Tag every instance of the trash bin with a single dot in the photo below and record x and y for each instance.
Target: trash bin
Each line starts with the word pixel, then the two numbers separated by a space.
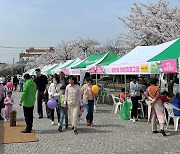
pixel 13 118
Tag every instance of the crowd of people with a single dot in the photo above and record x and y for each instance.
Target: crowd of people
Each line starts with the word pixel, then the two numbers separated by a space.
pixel 72 100
pixel 70 97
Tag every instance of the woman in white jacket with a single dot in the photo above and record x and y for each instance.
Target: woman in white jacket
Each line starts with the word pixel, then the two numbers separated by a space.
pixel 54 93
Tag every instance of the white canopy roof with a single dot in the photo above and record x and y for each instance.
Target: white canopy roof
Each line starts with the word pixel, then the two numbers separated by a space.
pixel 142 53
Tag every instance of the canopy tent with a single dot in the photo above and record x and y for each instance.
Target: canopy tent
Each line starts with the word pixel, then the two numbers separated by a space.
pixel 142 54
pixel 73 63
pixel 92 59
pixel 58 68
pixel 172 52
pixel 43 68
pixel 108 59
pixel 67 64
pixel 148 60
pixel 47 71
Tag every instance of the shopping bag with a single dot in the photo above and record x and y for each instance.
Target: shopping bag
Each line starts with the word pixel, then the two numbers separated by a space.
pixel 125 110
pixel 84 114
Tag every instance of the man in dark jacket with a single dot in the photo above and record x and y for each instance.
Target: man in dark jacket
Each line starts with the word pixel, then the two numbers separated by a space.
pixel 42 86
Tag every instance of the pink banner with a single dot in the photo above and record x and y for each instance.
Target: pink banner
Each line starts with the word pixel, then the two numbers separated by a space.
pixel 75 72
pixel 128 69
pixel 92 70
pixel 169 66
pixel 99 69
pixel 65 71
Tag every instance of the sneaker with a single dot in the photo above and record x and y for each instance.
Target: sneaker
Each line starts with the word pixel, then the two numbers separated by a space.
pixel 52 123
pixel 136 119
pixel 155 131
pixel 1 118
pixel 25 131
pixel 72 127
pixel 75 132
pixel 133 120
pixel 60 129
pixel 58 124
pixel 162 132
pixel 40 117
pixel 5 120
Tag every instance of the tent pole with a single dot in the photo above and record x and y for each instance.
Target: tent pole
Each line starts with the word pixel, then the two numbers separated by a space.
pixel 96 74
pixel 125 84
pixel 179 72
pixel 96 78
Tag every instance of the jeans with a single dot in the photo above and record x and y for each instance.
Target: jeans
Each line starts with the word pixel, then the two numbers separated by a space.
pixel 28 114
pixel 134 110
pixel 40 98
pixel 63 115
pixel 90 108
pixel 20 87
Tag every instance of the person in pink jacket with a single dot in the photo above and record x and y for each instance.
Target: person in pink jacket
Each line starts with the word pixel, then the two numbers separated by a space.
pixel 8 101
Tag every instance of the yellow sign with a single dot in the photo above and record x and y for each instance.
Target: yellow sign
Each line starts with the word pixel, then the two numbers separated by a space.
pixel 144 68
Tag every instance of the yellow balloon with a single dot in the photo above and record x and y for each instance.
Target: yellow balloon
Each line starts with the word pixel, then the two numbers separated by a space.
pixel 95 89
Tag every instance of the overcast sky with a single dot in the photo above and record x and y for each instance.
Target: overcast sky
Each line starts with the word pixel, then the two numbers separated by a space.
pixel 44 23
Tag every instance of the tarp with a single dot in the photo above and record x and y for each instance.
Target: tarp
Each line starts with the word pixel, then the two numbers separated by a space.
pixel 60 66
pixel 172 52
pixel 48 71
pixel 66 65
pixel 110 58
pixel 92 59
pixel 142 54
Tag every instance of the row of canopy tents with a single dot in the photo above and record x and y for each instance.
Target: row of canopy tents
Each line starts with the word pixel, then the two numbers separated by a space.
pixel 141 60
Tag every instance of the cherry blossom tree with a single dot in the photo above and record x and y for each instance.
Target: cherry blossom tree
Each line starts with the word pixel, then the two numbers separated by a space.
pixel 151 24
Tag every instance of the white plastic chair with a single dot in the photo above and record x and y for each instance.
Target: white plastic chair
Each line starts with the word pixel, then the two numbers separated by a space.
pixel 170 108
pixel 141 107
pixel 116 103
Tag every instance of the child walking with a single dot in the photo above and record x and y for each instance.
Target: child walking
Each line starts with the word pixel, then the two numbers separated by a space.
pixel 63 109
pixel 8 101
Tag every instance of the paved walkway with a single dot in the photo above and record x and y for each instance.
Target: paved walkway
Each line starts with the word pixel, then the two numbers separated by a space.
pixel 110 135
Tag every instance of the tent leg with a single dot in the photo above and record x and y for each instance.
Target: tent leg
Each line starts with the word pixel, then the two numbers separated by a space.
pixel 125 83
pixel 96 78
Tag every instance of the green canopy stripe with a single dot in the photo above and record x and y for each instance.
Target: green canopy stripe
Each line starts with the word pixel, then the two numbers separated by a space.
pixel 93 58
pixel 111 57
pixel 172 52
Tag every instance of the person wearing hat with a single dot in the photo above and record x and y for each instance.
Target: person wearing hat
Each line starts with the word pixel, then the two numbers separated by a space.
pixel 42 86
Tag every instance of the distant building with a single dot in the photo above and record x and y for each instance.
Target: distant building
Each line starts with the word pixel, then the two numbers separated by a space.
pixel 31 52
